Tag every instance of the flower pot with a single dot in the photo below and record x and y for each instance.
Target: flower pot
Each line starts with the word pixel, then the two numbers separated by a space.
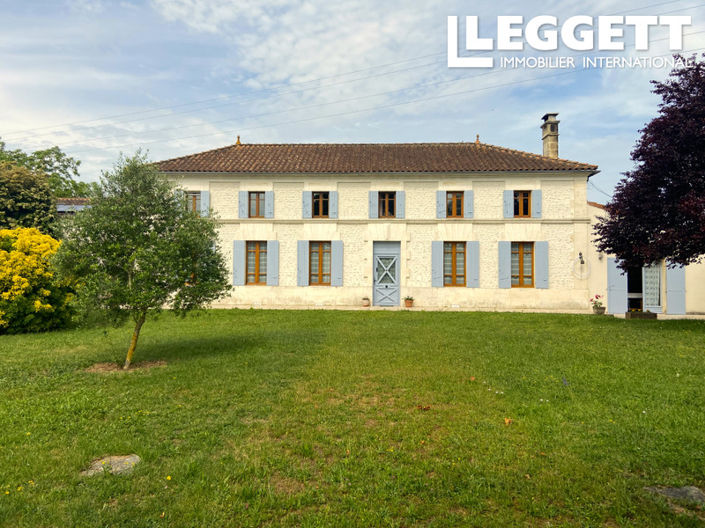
pixel 598 310
pixel 365 302
pixel 408 303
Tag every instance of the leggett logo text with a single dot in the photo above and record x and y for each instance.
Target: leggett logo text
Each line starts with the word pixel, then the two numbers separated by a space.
pixel 578 33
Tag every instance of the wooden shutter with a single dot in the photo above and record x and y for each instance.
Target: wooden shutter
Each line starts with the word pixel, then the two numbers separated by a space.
pixel 307 204
pixel 469 204
pixel 302 262
pixel 239 263
pixel 374 204
pixel 616 288
pixel 333 204
pixel 336 263
pixel 205 203
pixel 675 291
pixel 269 205
pixel 541 265
pixel 508 206
pixel 437 264
pixel 400 204
pixel 243 205
pixel 472 263
pixel 505 263
pixel 440 204
pixel 272 263
pixel 536 206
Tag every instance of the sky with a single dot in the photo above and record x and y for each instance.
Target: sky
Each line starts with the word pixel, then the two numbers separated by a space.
pixel 174 77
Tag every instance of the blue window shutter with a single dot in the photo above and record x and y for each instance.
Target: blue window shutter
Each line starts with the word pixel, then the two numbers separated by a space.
pixel 242 205
pixel 336 263
pixel 269 204
pixel 239 263
pixel 440 204
pixel 205 203
pixel 302 263
pixel 374 204
pixel 437 264
pixel 541 265
pixel 307 204
pixel 616 288
pixel 401 204
pixel 469 204
pixel 472 264
pixel 272 263
pixel 333 204
pixel 508 204
pixel 675 291
pixel 505 263
pixel 536 206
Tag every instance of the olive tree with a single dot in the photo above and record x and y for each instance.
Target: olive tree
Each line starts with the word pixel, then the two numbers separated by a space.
pixel 138 249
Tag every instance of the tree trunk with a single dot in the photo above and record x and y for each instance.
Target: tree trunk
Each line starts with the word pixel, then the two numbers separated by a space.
pixel 133 342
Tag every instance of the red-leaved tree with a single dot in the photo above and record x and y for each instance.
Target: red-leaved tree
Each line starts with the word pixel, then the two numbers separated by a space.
pixel 658 208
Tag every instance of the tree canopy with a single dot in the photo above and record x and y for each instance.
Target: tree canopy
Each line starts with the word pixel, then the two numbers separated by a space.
pixel 25 199
pixel 60 169
pixel 658 208
pixel 138 249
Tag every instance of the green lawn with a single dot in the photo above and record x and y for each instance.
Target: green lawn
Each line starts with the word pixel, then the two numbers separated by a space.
pixel 311 418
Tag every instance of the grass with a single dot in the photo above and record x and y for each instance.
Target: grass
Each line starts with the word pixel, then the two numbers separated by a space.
pixel 311 418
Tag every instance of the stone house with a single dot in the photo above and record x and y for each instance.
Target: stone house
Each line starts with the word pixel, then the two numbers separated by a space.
pixel 453 225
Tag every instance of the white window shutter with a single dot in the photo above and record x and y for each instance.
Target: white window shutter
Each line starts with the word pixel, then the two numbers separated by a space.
pixel 269 204
pixel 541 264
pixel 302 263
pixel 536 204
pixel 437 264
pixel 505 264
pixel 336 263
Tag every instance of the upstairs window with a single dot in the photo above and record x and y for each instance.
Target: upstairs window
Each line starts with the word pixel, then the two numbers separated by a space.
pixel 522 204
pixel 387 205
pixel 256 204
pixel 454 204
pixel 320 202
pixel 193 201
pixel 522 264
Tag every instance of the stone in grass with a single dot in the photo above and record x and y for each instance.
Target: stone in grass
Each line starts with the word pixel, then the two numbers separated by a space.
pixel 686 493
pixel 116 464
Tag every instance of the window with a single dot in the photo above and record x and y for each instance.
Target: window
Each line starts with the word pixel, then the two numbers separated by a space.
pixel 454 205
pixel 193 201
pixel 256 205
pixel 320 204
pixel 522 204
pixel 454 264
pixel 256 263
pixel 387 205
pixel 522 264
pixel 319 263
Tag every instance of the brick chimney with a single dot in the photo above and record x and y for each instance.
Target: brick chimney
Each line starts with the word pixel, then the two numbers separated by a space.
pixel 549 135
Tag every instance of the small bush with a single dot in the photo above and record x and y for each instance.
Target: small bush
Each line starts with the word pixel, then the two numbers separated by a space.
pixel 31 299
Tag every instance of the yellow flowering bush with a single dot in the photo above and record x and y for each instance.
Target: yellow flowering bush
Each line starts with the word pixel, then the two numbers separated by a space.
pixel 31 299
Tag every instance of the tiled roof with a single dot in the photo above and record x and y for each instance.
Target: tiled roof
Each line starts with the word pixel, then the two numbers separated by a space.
pixel 72 201
pixel 366 158
pixel 598 205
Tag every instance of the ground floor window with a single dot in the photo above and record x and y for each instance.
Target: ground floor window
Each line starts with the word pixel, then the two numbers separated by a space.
pixel 256 263
pixel 319 263
pixel 522 264
pixel 454 264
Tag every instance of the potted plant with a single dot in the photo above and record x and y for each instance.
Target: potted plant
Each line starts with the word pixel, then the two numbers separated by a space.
pixel 597 306
pixel 408 301
pixel 365 301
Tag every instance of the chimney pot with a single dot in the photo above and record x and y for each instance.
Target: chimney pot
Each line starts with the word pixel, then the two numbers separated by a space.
pixel 549 135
